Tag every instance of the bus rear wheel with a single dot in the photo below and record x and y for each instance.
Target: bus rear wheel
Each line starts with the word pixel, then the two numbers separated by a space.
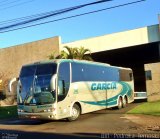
pixel 120 103
pixel 124 102
pixel 75 113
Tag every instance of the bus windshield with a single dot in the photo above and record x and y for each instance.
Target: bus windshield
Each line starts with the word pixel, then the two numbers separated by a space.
pixel 35 83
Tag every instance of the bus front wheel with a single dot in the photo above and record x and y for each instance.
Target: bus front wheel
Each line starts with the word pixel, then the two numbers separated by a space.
pixel 75 113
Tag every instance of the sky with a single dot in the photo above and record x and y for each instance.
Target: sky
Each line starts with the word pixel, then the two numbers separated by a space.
pixel 101 23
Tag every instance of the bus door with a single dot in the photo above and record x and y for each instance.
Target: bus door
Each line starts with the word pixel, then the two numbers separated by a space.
pixel 63 99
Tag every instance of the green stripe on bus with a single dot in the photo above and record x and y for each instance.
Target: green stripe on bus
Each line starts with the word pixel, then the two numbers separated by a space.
pixel 113 101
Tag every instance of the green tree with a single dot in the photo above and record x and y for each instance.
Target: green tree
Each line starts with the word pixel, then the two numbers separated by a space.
pixel 84 54
pixel 52 56
pixel 70 53
pixel 73 53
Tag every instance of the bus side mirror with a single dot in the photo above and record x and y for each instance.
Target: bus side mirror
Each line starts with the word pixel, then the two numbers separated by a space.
pixel 53 82
pixel 11 82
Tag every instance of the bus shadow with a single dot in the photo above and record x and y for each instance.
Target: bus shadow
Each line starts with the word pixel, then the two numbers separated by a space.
pixel 27 122
pixel 140 100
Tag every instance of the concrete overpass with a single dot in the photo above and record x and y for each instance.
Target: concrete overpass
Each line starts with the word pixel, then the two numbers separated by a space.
pixel 132 48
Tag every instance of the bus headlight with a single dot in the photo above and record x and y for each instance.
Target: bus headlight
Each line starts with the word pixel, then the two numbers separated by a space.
pixel 48 110
pixel 20 110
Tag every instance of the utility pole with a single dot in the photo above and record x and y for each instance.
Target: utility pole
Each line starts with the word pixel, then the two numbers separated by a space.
pixel 159 34
pixel 159 22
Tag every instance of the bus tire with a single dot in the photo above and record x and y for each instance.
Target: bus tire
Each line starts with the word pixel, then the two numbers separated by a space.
pixel 75 113
pixel 124 102
pixel 120 103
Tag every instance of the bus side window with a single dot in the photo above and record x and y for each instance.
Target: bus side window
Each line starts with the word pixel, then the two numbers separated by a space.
pixel 125 75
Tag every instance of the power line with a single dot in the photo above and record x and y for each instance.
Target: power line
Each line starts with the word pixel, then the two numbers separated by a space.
pixel 22 3
pixel 69 17
pixel 33 18
pixel 9 2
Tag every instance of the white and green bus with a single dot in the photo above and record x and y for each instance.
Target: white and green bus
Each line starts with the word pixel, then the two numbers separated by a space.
pixel 66 88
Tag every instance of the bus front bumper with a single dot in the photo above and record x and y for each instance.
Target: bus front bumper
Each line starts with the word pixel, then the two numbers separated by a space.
pixel 45 116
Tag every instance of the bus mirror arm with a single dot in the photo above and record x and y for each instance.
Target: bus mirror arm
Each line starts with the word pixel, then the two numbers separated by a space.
pixel 11 82
pixel 53 82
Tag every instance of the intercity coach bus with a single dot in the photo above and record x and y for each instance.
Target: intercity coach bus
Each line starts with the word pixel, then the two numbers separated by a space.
pixel 65 88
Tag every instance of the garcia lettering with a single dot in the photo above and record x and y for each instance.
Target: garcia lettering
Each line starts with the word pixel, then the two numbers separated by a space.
pixel 103 86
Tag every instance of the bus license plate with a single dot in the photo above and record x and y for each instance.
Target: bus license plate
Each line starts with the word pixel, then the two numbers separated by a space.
pixel 34 117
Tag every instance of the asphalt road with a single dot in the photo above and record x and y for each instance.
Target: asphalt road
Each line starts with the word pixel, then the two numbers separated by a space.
pixel 101 124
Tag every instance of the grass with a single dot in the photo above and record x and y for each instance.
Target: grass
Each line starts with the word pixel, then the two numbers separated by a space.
pixel 149 108
pixel 8 112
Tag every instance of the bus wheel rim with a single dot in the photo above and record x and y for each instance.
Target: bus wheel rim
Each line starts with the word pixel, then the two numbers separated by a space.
pixel 75 113
pixel 124 102
pixel 120 103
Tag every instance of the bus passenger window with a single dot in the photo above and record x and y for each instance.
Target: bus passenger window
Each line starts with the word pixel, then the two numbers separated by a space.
pixel 125 75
